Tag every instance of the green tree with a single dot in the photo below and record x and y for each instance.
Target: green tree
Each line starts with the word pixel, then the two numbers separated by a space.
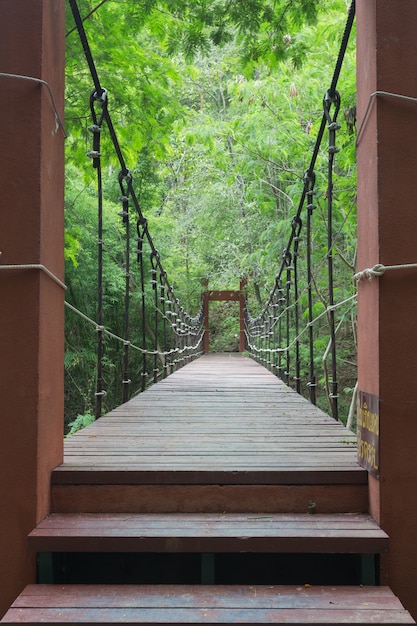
pixel 217 106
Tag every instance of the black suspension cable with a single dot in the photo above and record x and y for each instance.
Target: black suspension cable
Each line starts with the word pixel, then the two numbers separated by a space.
pixel 86 47
pixel 270 335
pixel 297 226
pixel 125 182
pixel 141 235
pixel 331 100
pixel 154 283
pixel 282 304
pixel 162 278
pixel 323 124
pixel 99 386
pixel 253 325
pixel 95 155
pixel 182 350
pixel 86 17
pixel 310 180
pixel 288 260
pixel 99 91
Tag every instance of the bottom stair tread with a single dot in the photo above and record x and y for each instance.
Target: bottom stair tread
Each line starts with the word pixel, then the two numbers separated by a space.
pixel 192 604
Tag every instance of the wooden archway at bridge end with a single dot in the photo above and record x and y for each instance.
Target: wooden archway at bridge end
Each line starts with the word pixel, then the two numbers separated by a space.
pixel 225 296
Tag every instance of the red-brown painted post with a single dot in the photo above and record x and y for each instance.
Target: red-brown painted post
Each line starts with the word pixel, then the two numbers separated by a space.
pixel 206 341
pixel 32 40
pixel 242 338
pixel 387 234
pixel 224 296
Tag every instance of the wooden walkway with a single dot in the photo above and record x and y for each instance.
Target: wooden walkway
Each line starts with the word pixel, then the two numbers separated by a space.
pixel 222 434
pixel 216 418
pixel 192 504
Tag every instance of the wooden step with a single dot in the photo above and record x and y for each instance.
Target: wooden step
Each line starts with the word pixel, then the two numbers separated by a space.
pixel 318 533
pixel 128 604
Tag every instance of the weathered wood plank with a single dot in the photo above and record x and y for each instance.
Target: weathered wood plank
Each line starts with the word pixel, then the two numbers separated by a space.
pixel 206 604
pixel 136 473
pixel 125 497
pixel 209 533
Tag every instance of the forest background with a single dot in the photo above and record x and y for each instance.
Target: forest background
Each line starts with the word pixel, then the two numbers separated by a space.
pixel 217 107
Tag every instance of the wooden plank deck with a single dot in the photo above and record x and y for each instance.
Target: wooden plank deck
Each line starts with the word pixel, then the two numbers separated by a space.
pixel 221 419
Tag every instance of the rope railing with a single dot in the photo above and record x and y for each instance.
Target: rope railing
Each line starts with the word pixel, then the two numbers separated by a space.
pixel 274 335
pixel 159 329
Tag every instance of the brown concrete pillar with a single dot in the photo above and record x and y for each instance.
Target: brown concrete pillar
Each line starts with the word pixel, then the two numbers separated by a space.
pixel 387 234
pixel 31 311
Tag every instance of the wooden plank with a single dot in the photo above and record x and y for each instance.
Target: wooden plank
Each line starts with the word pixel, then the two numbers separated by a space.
pixel 224 295
pixel 209 533
pixel 99 472
pixel 150 596
pixel 206 498
pixel 206 604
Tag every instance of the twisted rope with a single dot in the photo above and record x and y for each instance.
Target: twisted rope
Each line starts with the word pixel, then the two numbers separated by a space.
pixel 107 332
pixel 379 270
pixel 59 122
pixel 35 266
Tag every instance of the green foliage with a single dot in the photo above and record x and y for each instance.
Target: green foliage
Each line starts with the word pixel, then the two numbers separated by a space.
pixel 224 326
pixel 216 106
pixel 80 422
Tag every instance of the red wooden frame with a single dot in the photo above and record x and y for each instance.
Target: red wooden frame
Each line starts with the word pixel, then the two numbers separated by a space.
pixel 225 296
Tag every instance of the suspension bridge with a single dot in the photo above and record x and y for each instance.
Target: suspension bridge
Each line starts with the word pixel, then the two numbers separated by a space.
pixel 221 493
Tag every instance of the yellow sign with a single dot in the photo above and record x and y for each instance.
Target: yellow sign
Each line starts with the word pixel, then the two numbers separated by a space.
pixel 368 432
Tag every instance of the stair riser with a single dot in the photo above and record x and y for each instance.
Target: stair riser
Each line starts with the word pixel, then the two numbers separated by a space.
pixel 209 498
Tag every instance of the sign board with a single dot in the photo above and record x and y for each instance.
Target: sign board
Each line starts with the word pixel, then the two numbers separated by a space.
pixel 368 432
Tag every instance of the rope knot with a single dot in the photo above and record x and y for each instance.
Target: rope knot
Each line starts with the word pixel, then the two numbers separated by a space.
pixel 371 272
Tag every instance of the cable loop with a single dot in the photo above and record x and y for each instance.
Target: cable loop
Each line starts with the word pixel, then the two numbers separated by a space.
pixel 331 97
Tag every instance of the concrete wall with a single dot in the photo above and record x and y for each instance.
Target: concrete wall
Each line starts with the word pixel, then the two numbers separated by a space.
pixel 387 233
pixel 31 312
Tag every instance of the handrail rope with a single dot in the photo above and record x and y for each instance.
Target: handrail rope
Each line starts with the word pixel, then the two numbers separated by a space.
pixel 59 122
pixel 379 270
pixel 38 266
pixel 259 318
pixel 35 266
pixel 327 310
pixel 295 339
pixel 132 345
pixel 318 266
pixel 171 324
pixel 368 107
